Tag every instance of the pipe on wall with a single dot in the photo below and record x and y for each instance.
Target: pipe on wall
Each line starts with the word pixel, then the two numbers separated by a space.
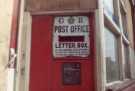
pixel 14 30
pixel 13 46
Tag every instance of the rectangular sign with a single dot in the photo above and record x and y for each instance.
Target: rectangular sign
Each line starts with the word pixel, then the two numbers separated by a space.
pixel 71 36
pixel 71 73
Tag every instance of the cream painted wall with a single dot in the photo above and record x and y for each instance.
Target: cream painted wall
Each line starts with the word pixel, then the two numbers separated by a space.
pixel 5 27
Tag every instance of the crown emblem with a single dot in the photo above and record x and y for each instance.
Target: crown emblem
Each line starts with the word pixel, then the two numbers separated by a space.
pixel 71 20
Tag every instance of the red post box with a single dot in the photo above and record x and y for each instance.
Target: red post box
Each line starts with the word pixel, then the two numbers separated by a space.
pixel 62 53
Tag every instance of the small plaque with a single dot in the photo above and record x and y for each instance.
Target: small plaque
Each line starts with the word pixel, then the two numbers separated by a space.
pixel 71 73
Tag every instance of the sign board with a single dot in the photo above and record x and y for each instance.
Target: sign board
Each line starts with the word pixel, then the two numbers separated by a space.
pixel 71 36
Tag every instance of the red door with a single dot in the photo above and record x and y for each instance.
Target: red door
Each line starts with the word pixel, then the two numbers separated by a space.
pixel 62 61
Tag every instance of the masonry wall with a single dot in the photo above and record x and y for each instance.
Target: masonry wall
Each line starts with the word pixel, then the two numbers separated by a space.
pixel 5 27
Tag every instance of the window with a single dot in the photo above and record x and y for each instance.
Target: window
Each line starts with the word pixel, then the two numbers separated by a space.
pixel 126 61
pixel 108 6
pixel 125 36
pixel 112 64
pixel 111 9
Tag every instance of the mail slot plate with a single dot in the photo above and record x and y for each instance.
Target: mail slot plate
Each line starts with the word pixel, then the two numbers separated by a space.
pixel 72 73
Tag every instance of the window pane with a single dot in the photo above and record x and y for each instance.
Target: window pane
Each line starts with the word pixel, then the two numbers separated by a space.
pixel 126 62
pixel 108 5
pixel 112 64
pixel 111 9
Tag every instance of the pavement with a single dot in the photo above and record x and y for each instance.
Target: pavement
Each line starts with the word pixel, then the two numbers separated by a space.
pixel 126 86
pixel 130 88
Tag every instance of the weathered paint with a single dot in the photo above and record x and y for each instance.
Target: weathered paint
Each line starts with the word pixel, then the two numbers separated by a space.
pixel 14 26
pixel 6 8
pixel 60 5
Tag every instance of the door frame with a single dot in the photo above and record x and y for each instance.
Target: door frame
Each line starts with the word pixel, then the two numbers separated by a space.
pixel 98 66
pixel 28 24
pixel 25 24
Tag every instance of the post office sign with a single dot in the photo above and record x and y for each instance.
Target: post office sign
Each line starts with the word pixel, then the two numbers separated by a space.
pixel 71 36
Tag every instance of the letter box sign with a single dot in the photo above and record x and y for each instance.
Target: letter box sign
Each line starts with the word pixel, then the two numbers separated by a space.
pixel 71 36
